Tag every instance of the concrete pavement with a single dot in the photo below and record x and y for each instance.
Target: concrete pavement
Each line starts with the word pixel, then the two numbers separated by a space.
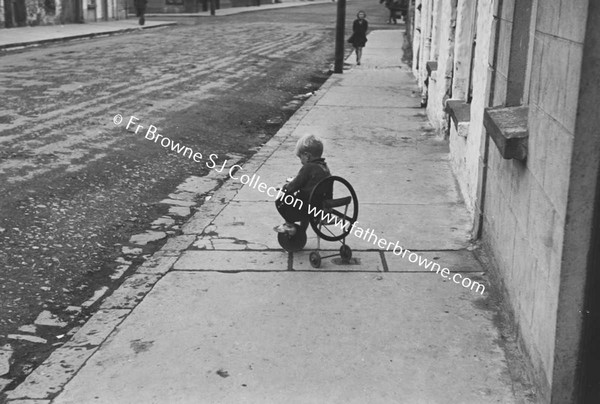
pixel 223 315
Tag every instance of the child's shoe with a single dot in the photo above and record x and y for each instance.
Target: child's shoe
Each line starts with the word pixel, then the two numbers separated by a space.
pixel 287 228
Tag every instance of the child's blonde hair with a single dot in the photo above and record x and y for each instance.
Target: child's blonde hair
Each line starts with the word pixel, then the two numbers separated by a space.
pixel 309 144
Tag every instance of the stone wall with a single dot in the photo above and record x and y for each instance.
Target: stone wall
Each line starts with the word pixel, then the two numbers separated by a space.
pixel 525 202
pixel 468 152
pixel 530 53
pixel 440 82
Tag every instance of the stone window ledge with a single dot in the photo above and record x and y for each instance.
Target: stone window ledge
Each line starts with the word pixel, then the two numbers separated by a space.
pixel 460 114
pixel 431 66
pixel 508 128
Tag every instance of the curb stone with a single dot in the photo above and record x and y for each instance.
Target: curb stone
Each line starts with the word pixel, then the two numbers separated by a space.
pixel 20 45
pixel 48 379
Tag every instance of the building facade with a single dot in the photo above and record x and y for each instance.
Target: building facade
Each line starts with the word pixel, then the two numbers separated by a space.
pixel 19 13
pixel 194 6
pixel 514 87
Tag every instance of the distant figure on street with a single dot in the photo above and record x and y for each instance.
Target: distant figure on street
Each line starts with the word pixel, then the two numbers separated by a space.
pixel 140 9
pixel 309 150
pixel 358 39
pixel 391 5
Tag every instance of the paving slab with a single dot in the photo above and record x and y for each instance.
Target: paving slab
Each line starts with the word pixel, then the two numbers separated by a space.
pixel 405 185
pixel 48 378
pixel 456 261
pixel 198 185
pixel 389 39
pixel 249 223
pixel 380 59
pixel 131 292
pixel 418 227
pixel 299 337
pixel 97 328
pixel 178 243
pixel 411 179
pixel 365 116
pixel 158 264
pixel 207 260
pixel 383 97
pixel 390 77
pixel 208 211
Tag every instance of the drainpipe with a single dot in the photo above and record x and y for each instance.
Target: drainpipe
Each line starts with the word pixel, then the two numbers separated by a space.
pixel 426 26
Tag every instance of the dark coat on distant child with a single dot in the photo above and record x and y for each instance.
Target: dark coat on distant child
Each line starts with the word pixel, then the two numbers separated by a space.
pixel 140 7
pixel 359 33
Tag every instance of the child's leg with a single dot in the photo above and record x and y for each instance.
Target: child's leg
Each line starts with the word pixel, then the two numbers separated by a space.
pixel 288 213
pixel 294 211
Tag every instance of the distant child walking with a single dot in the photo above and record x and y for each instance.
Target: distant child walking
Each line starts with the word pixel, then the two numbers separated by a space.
pixel 140 10
pixel 358 39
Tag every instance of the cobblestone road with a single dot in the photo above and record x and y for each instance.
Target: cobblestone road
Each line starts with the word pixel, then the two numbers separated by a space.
pixel 60 100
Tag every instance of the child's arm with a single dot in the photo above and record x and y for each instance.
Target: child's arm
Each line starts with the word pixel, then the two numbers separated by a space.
pixel 297 183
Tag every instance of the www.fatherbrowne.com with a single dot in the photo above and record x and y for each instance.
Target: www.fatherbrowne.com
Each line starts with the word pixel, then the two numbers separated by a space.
pixel 328 217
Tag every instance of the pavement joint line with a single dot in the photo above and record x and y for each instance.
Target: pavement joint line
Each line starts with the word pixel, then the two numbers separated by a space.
pixel 269 271
pixel 383 261
pixel 312 271
pixel 174 253
pixel 433 250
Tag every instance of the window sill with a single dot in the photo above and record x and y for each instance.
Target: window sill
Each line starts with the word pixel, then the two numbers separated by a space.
pixel 460 113
pixel 508 128
pixel 431 66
